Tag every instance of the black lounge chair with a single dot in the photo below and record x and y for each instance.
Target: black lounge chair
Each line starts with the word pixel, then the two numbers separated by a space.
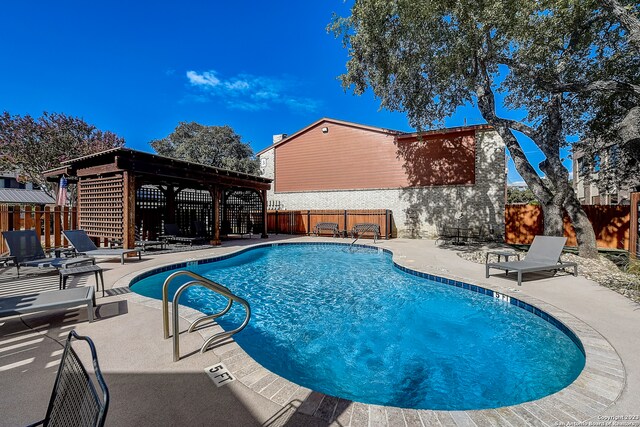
pixel 74 399
pixel 543 255
pixel 25 250
pixel 84 245
pixel 144 244
pixel 172 234
pixel 140 242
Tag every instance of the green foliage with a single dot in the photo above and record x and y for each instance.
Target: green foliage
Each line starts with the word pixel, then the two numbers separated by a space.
pixel 545 69
pixel 427 58
pixel 32 146
pixel 217 146
pixel 518 195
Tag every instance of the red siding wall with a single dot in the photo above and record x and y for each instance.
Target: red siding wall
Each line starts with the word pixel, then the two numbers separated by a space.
pixel 349 157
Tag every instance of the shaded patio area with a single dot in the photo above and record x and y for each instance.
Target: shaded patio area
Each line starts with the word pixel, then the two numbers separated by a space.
pixel 127 195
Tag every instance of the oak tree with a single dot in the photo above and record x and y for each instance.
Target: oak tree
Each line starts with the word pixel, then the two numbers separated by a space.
pixel 527 66
pixel 217 146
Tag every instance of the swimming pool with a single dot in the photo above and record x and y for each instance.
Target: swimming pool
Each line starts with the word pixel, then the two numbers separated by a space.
pixel 353 325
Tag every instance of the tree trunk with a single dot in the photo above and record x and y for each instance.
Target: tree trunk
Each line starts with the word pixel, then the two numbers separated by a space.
pixel 556 193
pixel 552 217
pixel 587 245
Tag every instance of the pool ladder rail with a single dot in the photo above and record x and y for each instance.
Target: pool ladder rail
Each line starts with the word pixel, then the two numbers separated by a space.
pixel 209 284
pixel 360 233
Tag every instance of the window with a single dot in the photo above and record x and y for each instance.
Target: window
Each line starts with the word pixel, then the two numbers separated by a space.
pixel 614 155
pixel 596 163
pixel 582 167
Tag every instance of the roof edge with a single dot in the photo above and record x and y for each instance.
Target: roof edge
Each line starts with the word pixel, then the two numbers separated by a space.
pixel 445 131
pixel 329 120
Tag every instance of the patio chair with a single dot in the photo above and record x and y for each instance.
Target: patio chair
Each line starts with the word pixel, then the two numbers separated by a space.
pixel 84 245
pixel 49 300
pixel 200 229
pixel 543 255
pixel 172 234
pixel 74 399
pixel 25 250
pixel 144 243
pixel 140 242
pixel 445 233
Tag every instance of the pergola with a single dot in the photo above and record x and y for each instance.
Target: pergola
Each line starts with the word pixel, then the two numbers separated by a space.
pixel 120 189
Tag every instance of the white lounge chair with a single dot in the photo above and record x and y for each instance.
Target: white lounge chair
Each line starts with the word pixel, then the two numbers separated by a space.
pixel 543 255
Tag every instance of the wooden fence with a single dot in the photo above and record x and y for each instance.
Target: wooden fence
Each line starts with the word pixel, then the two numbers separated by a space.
pixel 48 223
pixel 634 229
pixel 610 223
pixel 303 221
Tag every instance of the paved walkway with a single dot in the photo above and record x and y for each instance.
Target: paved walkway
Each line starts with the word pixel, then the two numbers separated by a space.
pixel 147 388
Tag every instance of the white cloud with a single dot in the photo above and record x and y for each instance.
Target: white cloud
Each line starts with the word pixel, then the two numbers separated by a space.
pixel 251 93
pixel 206 79
pixel 237 85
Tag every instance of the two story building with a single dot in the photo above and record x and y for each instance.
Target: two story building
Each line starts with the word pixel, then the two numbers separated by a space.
pixel 452 176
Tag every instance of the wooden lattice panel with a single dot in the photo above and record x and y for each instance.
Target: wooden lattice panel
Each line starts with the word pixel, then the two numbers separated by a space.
pixel 190 206
pixel 241 212
pixel 100 207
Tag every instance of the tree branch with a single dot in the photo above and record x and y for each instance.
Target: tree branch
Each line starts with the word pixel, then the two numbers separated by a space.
pixel 486 104
pixel 598 86
pixel 627 20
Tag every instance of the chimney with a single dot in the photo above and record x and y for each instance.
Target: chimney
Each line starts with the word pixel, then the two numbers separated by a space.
pixel 279 137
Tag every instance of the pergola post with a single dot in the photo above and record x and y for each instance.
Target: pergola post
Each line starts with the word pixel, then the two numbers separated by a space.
pixel 170 195
pixel 129 211
pixel 215 193
pixel 264 214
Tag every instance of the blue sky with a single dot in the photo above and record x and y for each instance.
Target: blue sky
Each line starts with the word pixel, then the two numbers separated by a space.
pixel 138 68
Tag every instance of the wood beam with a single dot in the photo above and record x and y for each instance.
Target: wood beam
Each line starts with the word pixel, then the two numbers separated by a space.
pixel 179 173
pixel 99 170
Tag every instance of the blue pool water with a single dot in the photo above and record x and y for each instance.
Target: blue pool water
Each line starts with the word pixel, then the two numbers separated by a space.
pixel 350 324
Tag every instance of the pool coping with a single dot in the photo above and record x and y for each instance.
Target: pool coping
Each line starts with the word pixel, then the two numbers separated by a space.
pixel 598 386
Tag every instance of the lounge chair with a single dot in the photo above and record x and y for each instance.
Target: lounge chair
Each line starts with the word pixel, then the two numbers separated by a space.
pixel 25 250
pixel 74 400
pixel 83 245
pixel 140 242
pixel 543 255
pixel 173 234
pixel 50 300
pixel 144 244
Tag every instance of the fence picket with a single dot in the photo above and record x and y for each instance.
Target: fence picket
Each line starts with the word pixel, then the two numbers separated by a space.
pixel 303 221
pixel 47 227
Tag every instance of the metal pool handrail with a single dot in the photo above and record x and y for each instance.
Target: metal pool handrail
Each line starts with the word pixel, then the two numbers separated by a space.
pixel 365 228
pixel 209 284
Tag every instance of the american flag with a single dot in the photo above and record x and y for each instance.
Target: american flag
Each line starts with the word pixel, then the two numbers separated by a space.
pixel 62 192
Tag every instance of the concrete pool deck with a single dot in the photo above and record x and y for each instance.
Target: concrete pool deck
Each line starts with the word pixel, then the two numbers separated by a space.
pixel 147 388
